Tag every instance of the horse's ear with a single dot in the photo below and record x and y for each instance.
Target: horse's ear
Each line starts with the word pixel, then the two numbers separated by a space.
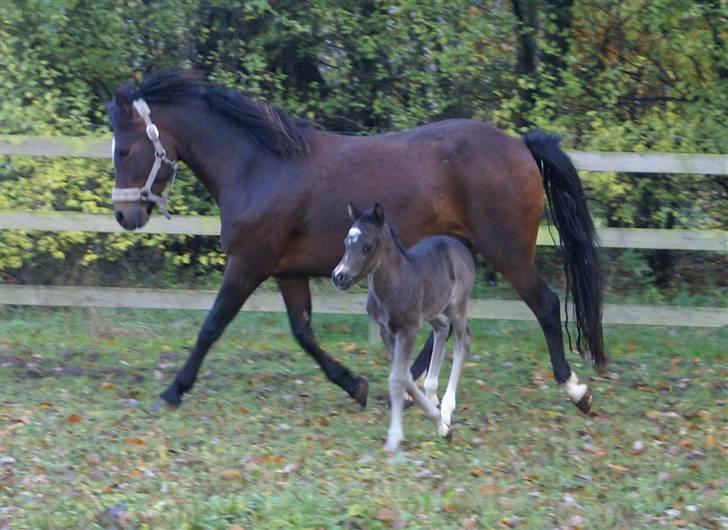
pixel 121 104
pixel 354 212
pixel 378 212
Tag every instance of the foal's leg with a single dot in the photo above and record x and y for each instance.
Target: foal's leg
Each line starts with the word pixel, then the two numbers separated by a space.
pixel 399 376
pixel 297 297
pixel 545 305
pixel 440 326
pixel 460 352
pixel 237 284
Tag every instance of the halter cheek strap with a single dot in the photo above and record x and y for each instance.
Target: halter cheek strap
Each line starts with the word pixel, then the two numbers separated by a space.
pixel 160 157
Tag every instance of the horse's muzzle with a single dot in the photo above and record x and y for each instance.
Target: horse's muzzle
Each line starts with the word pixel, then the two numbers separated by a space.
pixel 132 215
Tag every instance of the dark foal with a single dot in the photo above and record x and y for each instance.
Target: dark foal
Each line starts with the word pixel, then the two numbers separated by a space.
pixel 458 177
pixel 430 282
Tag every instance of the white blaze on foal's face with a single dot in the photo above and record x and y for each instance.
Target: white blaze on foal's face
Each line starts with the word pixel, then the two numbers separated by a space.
pixel 353 235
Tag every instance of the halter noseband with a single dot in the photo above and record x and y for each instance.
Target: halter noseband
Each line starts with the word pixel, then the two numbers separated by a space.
pixel 160 156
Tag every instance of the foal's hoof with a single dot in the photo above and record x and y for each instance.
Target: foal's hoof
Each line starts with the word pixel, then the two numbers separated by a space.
pixel 360 392
pixel 445 431
pixel 585 403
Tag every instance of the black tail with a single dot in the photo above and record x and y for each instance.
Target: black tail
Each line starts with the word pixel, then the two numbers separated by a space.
pixel 578 241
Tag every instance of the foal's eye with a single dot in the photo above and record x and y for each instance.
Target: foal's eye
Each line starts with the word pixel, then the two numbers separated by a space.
pixel 367 248
pixel 123 152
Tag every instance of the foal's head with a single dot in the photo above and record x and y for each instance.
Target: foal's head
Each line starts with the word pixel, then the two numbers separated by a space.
pixel 364 244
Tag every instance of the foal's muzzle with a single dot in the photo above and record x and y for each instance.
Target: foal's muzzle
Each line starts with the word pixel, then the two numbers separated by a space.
pixel 341 280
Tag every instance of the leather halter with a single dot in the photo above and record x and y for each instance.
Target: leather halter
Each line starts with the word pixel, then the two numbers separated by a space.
pixel 160 156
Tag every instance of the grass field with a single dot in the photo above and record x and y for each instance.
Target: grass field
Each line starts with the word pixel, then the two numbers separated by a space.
pixel 263 441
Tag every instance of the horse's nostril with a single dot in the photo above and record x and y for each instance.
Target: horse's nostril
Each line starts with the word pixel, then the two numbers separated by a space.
pixel 119 216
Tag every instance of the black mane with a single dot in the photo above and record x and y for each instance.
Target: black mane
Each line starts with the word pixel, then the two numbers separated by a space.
pixel 273 128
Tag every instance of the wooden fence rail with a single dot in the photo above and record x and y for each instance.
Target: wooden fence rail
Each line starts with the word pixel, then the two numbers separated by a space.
pixel 707 240
pixel 93 147
pixel 335 304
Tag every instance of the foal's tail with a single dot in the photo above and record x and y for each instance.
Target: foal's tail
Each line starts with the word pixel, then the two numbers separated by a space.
pixel 578 241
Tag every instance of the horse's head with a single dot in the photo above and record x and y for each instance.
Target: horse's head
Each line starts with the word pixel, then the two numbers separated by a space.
pixel 364 246
pixel 144 160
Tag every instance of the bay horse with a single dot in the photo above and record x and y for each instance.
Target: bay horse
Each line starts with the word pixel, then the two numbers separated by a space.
pixel 429 282
pixel 281 183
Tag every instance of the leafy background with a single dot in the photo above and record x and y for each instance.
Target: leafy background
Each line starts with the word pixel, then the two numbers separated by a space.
pixel 633 75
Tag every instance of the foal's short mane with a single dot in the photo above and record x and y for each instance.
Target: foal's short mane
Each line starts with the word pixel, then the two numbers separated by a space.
pixel 273 128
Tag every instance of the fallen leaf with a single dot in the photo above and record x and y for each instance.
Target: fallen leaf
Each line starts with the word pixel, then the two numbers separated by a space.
pixel 134 440
pixel 106 386
pixel 685 444
pixel 710 441
pixel 470 522
pixel 617 468
pixel 476 472
pixel 73 418
pixel 230 474
pixel 386 515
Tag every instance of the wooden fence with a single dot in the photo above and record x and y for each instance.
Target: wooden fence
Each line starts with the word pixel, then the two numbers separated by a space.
pixel 713 240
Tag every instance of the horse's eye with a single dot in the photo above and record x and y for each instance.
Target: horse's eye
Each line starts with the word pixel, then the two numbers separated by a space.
pixel 367 248
pixel 123 152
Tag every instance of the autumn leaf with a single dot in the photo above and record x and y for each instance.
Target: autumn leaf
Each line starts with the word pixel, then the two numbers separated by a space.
pixel 134 440
pixel 73 418
pixel 230 474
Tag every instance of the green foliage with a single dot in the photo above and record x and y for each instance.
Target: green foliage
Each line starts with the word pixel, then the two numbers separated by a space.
pixel 638 75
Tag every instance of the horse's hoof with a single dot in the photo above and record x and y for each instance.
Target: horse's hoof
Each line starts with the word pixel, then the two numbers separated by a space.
pixel 585 403
pixel 170 398
pixel 360 393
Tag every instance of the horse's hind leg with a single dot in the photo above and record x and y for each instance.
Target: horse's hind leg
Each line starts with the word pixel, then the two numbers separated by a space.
pixel 297 297
pixel 545 305
pixel 460 353
pixel 440 326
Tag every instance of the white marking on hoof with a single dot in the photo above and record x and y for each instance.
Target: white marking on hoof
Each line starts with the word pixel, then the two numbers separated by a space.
pixel 391 446
pixel 444 429
pixel 574 389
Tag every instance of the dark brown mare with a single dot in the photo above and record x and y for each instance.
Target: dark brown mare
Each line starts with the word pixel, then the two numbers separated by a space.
pixel 283 189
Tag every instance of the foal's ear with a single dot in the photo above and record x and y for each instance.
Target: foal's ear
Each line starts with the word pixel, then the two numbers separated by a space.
pixel 378 212
pixel 354 212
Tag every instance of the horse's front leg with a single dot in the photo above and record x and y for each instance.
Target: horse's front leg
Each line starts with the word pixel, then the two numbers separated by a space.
pixel 297 297
pixel 237 285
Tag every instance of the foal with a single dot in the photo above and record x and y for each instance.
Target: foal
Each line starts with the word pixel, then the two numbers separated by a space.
pixel 429 282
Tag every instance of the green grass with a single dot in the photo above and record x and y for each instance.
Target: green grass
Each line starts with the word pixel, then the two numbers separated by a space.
pixel 263 441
